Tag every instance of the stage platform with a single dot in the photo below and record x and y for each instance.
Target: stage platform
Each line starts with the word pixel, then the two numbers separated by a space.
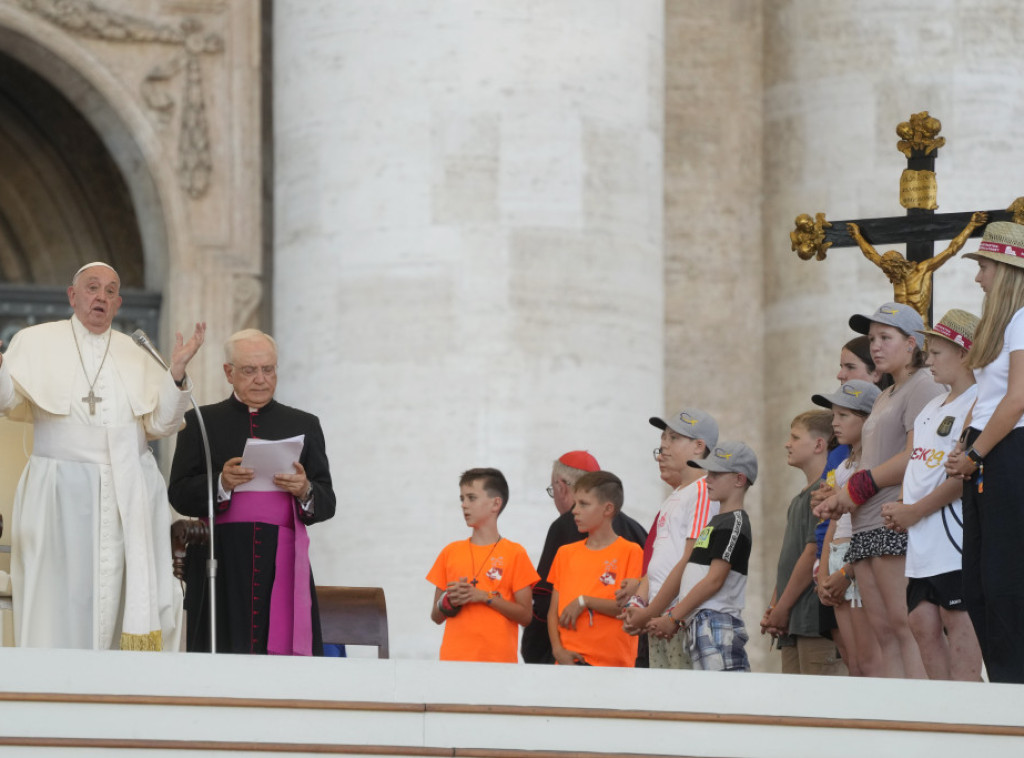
pixel 84 703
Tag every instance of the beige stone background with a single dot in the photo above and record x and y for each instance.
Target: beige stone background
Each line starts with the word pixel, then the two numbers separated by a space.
pixel 501 231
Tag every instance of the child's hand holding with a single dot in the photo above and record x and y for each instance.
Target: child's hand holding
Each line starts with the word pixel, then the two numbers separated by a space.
pixel 836 585
pixel 899 516
pixel 776 620
pixel 828 508
pixel 625 591
pixel 821 493
pixel 634 619
pixel 824 596
pixel 953 462
pixel 664 627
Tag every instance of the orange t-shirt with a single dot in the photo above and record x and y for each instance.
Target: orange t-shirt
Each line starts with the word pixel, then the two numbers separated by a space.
pixel 478 632
pixel 576 571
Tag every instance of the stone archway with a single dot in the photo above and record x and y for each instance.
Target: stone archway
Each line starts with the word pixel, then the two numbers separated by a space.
pixel 63 202
pixel 76 141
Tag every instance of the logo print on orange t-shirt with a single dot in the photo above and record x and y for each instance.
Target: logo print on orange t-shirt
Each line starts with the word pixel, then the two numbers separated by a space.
pixel 610 570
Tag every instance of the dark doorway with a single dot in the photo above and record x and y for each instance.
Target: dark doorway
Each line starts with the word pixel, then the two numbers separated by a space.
pixel 63 203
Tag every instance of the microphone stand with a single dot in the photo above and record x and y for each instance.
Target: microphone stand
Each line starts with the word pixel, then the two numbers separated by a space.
pixel 143 341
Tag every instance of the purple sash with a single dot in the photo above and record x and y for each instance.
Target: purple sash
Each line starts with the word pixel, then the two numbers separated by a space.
pixel 291 628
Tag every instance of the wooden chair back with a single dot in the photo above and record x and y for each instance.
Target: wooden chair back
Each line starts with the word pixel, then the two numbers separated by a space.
pixel 354 616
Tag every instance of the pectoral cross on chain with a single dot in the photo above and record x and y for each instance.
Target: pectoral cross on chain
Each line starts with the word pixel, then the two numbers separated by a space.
pixel 92 399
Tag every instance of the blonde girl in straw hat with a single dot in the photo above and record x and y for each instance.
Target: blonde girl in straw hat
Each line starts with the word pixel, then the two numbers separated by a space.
pixel 990 456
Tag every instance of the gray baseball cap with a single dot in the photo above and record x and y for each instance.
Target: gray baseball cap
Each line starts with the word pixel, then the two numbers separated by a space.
pixel 903 317
pixel 693 423
pixel 730 458
pixel 856 394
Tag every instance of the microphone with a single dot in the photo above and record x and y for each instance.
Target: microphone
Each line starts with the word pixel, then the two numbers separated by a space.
pixel 142 340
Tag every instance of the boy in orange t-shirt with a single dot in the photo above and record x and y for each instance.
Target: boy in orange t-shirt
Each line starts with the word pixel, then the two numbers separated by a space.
pixel 583 617
pixel 484 585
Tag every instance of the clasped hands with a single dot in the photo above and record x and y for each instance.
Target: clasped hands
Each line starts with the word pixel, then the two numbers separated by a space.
pixel 637 620
pixel 832 588
pixel 899 516
pixel 828 502
pixel 464 592
pixel 775 621
pixel 958 465
pixel 234 474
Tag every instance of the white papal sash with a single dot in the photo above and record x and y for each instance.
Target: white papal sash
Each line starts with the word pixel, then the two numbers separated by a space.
pixel 86 444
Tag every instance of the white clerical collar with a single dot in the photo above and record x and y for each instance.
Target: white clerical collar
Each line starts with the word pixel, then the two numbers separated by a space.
pixel 84 334
pixel 251 409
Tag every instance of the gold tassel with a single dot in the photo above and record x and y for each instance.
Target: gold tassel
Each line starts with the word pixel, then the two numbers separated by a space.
pixel 152 641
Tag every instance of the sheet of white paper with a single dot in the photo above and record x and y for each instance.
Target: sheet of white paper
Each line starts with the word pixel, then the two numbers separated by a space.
pixel 267 458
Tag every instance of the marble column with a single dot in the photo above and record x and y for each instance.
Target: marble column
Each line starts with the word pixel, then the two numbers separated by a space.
pixel 713 253
pixel 468 264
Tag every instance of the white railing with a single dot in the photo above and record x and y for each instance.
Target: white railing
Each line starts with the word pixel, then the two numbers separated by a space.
pixel 85 703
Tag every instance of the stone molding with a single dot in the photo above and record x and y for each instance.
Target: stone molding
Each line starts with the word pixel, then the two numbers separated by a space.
pixel 88 19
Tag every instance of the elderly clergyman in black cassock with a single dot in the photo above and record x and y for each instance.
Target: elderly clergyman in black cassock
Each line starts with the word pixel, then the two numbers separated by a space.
pixel 266 599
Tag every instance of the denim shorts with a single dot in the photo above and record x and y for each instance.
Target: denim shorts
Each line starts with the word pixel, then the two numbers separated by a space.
pixel 836 559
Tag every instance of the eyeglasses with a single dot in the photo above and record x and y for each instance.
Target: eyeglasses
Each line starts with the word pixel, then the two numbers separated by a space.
pixel 658 451
pixel 551 488
pixel 250 371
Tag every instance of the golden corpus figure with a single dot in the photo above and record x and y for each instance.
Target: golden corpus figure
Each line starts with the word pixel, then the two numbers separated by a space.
pixel 912 282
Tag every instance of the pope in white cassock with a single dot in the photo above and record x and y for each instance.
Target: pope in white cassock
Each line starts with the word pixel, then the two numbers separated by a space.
pixel 90 545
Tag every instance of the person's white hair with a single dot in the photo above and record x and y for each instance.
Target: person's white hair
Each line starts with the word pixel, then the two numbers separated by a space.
pixel 242 336
pixel 567 474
